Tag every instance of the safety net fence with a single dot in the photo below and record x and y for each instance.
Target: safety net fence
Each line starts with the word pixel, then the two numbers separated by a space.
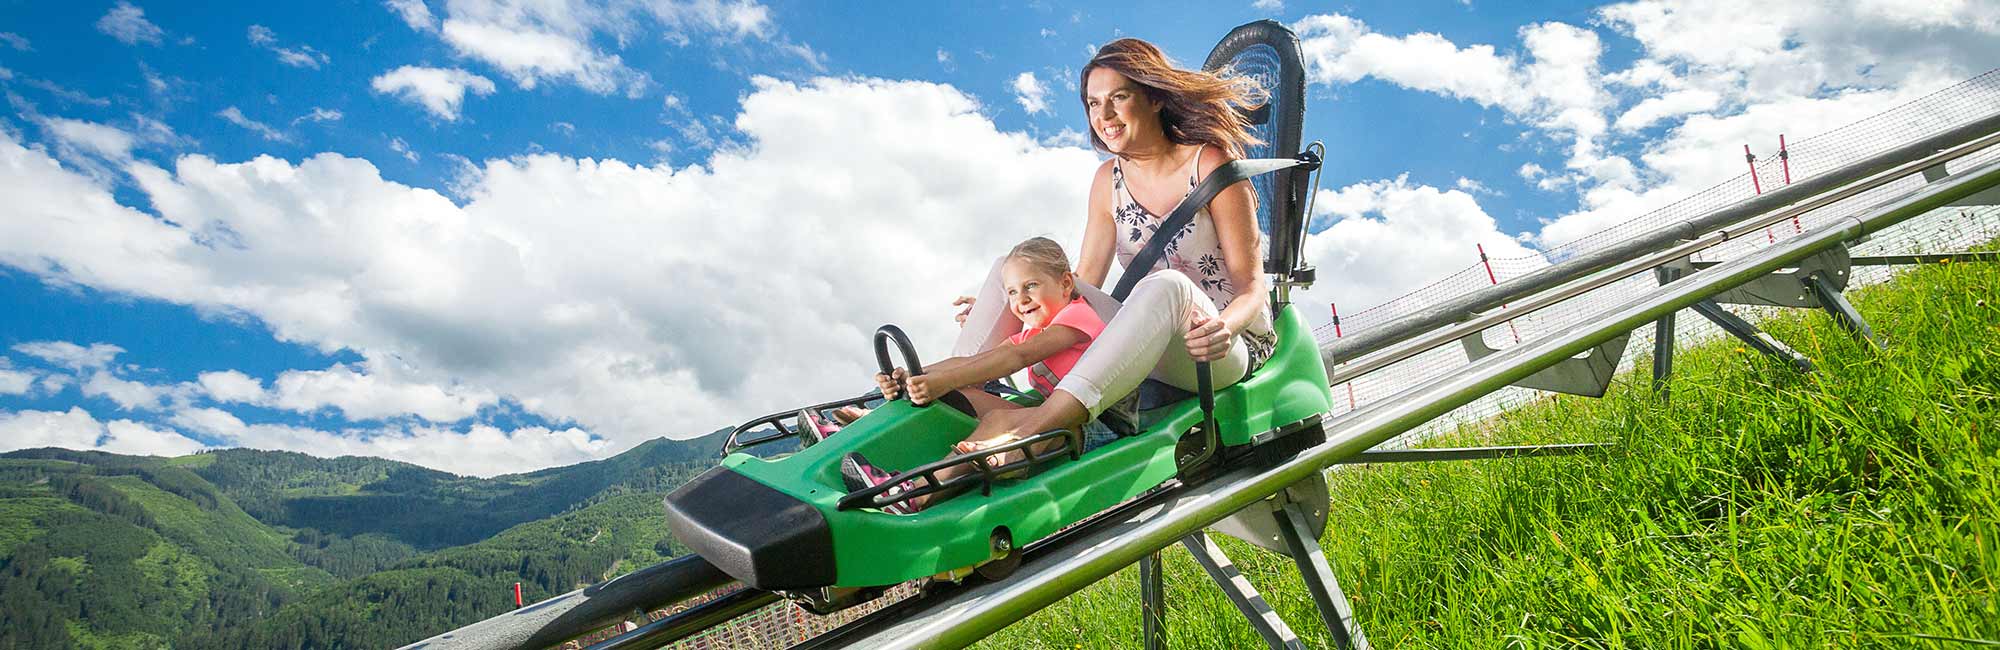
pixel 1945 230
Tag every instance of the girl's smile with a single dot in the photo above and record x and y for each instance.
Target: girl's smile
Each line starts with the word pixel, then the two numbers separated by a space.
pixel 1035 295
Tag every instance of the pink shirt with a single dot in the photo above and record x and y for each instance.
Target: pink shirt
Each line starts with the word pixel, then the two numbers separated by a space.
pixel 1076 315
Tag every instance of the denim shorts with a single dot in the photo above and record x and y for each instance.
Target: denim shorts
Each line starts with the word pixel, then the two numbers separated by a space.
pixel 1096 434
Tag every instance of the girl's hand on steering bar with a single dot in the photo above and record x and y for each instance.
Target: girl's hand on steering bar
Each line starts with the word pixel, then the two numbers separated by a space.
pixel 922 389
pixel 891 384
pixel 1207 338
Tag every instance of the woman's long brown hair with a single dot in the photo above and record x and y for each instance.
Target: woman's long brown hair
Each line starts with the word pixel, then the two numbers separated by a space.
pixel 1196 107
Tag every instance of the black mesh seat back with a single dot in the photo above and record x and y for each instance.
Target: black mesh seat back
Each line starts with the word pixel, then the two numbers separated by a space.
pixel 1268 52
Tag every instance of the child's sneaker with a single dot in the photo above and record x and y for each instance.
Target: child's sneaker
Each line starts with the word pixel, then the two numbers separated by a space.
pixel 812 428
pixel 858 474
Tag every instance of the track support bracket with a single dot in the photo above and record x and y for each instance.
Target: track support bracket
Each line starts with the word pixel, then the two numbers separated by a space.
pixel 1241 593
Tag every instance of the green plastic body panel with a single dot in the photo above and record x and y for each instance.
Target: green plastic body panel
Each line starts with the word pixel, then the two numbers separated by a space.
pixel 873 548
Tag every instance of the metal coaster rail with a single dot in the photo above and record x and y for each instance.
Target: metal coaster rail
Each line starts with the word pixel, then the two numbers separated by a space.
pixel 957 616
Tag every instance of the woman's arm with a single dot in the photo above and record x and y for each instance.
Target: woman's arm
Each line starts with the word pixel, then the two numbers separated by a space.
pixel 1234 213
pixel 998 362
pixel 1093 260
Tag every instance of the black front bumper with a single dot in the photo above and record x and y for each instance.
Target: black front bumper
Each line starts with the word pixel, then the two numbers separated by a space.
pixel 763 537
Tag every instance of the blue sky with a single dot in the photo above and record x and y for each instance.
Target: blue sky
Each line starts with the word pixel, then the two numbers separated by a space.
pixel 492 236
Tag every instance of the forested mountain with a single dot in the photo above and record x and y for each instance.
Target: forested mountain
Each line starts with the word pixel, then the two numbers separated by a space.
pixel 258 549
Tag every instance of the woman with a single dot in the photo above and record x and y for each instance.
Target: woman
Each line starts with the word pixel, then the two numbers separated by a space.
pixel 1166 129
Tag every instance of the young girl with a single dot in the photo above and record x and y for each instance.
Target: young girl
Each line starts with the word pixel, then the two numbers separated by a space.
pixel 1057 324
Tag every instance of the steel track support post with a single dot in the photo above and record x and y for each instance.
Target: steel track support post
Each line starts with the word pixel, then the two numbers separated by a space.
pixel 1663 339
pixel 1255 609
pixel 1334 609
pixel 1152 602
pixel 1757 339
pixel 1836 305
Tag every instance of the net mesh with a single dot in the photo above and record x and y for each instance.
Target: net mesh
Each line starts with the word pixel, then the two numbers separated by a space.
pixel 1945 230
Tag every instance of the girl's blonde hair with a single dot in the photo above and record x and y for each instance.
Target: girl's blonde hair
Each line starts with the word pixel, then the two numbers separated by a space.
pixel 1196 106
pixel 1045 255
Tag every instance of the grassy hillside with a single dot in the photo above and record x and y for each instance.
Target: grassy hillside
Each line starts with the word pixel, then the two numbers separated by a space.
pixel 1855 507
pixel 255 549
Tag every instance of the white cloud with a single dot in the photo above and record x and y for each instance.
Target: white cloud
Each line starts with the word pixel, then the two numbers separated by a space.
pixel 319 114
pixel 76 429
pixel 574 41
pixel 1384 238
pixel 373 395
pixel 129 395
pixel 439 90
pixel 232 386
pixel 595 292
pixel 70 355
pixel 478 450
pixel 1268 6
pixel 234 115
pixel 528 56
pixel 303 56
pixel 1711 78
pixel 1031 93
pixel 945 61
pixel 15 382
pixel 399 146
pixel 414 13
pixel 98 149
pixel 1470 186
pixel 128 24
pixel 16 41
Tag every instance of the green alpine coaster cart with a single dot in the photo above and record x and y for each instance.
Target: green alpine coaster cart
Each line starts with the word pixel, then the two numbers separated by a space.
pixel 786 523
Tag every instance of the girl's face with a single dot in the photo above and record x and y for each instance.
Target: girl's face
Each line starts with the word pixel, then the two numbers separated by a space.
pixel 1033 294
pixel 1118 109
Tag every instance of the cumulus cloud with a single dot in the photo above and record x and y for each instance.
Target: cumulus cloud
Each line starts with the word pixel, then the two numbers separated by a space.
pixel 128 24
pixel 1376 240
pixel 1711 78
pixel 597 292
pixel 414 13
pixel 232 386
pixel 372 394
pixel 16 41
pixel 478 450
pixel 234 115
pixel 1030 93
pixel 128 394
pixel 15 382
pixel 535 42
pixel 439 90
pixel 70 355
pixel 77 429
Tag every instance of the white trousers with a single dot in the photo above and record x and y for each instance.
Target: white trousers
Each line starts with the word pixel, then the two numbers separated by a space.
pixel 1142 338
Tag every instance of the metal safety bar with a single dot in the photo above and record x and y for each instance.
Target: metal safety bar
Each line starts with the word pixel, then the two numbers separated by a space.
pixel 969 615
pixel 775 421
pixel 878 496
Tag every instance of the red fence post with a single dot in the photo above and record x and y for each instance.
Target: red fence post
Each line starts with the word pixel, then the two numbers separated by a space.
pixel 517 595
pixel 1757 186
pixel 1496 280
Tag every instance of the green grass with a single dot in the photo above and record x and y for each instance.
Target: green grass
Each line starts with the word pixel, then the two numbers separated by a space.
pixel 1858 506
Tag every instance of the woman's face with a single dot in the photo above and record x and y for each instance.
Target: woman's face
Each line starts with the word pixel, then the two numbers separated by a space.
pixel 1033 294
pixel 1118 109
